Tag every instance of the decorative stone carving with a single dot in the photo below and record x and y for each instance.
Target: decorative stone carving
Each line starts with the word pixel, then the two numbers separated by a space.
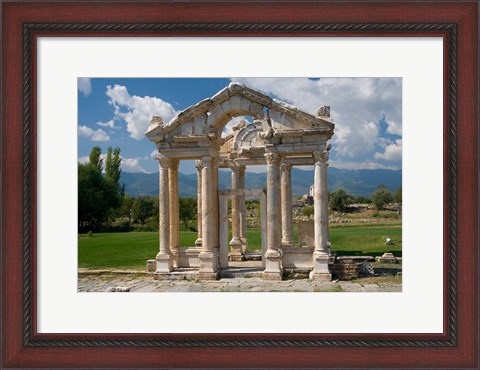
pixel 273 159
pixel 321 157
pixel 323 111
pixel 280 136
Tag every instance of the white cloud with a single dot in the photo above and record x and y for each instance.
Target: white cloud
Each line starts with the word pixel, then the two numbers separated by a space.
pixel 93 135
pixel 393 152
pixel 132 165
pixel 366 165
pixel 84 159
pixel 356 105
pixel 227 130
pixel 139 109
pixel 109 124
pixel 394 128
pixel 127 164
pixel 351 142
pixel 84 85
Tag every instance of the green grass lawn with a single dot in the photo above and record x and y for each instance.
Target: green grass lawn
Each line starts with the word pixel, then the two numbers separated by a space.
pixel 131 250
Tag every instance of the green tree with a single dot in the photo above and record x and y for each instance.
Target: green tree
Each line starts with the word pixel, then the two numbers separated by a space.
pixel 125 210
pixel 143 208
pixel 93 197
pixel 381 197
pixel 339 200
pixel 113 172
pixel 95 158
pixel 307 211
pixel 397 198
pixel 187 209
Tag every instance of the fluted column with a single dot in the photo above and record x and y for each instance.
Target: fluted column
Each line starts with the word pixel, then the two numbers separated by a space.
pixel 273 254
pixel 236 242
pixel 320 198
pixel 207 204
pixel 198 165
pixel 287 220
pixel 209 258
pixel 243 212
pixel 173 204
pixel 164 257
pixel 215 162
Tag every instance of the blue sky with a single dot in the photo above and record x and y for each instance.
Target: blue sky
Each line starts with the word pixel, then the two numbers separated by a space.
pixel 367 113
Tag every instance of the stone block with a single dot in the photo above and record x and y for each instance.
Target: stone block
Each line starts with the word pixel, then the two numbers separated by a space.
pixel 200 276
pixel 164 263
pixel 151 265
pixel 386 258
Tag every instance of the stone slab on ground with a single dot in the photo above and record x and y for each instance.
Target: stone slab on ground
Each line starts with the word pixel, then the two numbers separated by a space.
pixel 145 283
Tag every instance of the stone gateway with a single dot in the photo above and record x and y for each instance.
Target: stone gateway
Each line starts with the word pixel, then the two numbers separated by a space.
pixel 280 136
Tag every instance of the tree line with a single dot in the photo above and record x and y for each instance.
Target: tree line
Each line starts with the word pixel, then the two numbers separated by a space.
pixel 104 206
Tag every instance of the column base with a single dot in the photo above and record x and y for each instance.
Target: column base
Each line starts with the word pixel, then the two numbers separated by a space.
pixel 272 276
pixel 273 267
pixel 320 277
pixel 164 263
pixel 320 271
pixel 209 262
pixel 200 276
pixel 244 245
pixel 287 244
pixel 236 250
pixel 198 242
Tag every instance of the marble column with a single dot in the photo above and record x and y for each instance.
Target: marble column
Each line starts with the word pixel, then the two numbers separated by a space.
pixel 174 206
pixel 198 165
pixel 263 225
pixel 208 256
pixel 236 242
pixel 287 217
pixel 243 212
pixel 273 270
pixel 320 199
pixel 223 230
pixel 215 200
pixel 164 257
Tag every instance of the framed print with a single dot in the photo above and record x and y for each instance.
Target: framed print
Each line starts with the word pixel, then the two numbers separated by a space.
pixel 56 54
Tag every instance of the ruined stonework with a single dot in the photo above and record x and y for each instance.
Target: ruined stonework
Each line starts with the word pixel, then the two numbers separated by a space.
pixel 281 136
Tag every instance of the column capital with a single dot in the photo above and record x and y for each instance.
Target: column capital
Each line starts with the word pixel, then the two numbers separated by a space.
pixel 235 167
pixel 206 161
pixel 164 162
pixel 321 157
pixel 285 167
pixel 272 159
pixel 198 164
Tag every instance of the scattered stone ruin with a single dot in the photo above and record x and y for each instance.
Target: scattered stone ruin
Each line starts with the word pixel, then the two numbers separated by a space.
pixel 281 136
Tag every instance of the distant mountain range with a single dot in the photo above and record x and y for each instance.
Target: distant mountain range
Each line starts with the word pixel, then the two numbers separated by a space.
pixel 357 182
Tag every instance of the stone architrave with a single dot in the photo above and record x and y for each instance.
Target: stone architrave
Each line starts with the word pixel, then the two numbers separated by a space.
pixel 198 165
pixel 320 199
pixel 209 257
pixel 236 253
pixel 164 257
pixel 286 196
pixel 273 270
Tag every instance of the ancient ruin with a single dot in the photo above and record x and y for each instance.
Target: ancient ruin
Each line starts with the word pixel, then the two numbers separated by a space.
pixel 280 136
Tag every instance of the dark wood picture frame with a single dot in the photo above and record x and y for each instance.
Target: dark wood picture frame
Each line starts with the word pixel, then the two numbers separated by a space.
pixel 23 22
